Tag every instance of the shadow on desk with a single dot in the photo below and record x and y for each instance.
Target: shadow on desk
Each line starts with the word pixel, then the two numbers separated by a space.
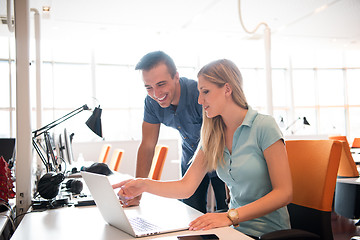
pixel 87 223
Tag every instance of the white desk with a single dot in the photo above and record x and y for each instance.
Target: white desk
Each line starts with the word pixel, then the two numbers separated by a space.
pixel 356 156
pixel 87 223
pixel 355 181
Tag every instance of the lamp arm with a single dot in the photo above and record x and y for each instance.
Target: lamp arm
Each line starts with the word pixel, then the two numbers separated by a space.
pixel 41 155
pixel 49 126
pixel 292 123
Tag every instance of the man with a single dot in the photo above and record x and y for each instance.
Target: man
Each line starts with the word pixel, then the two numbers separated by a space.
pixel 173 101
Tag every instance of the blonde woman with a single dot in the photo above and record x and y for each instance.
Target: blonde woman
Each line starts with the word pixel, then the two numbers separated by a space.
pixel 244 147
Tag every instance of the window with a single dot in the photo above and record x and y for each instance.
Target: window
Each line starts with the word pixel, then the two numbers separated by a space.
pixel 75 73
pixel 304 87
pixel 333 93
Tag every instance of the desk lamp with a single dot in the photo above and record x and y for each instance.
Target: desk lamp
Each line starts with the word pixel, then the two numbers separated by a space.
pixel 48 185
pixel 94 123
pixel 305 122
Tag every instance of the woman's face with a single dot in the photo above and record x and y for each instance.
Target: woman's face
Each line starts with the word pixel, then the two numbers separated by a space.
pixel 211 97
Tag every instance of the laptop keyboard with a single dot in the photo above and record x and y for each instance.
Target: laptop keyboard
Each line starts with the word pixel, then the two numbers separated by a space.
pixel 141 225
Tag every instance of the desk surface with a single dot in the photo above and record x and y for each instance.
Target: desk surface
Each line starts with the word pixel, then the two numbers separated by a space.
pixel 87 222
pixel 356 156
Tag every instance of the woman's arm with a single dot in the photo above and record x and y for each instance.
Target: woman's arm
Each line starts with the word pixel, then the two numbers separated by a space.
pixel 280 176
pixel 280 196
pixel 178 189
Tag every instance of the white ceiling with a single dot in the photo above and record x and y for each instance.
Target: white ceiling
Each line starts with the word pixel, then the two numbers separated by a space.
pixel 333 22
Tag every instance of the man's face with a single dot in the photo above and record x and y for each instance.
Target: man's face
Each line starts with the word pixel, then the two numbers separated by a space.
pixel 161 87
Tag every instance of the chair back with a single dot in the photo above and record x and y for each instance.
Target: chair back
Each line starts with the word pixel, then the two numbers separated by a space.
pixel 314 165
pixel 347 166
pixel 104 153
pixel 356 143
pixel 339 138
pixel 115 160
pixel 158 162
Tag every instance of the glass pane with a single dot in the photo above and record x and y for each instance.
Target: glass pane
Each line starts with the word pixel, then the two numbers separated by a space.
pixel 297 126
pixel 254 87
pixel 119 87
pixel 5 124
pixel 332 121
pixel 280 117
pixel 280 89
pixel 13 85
pixel 47 86
pixel 352 58
pixel 4 49
pixel 69 49
pixel 4 85
pixel 304 88
pixel 354 116
pixel 72 85
pixel 333 93
pixel 353 78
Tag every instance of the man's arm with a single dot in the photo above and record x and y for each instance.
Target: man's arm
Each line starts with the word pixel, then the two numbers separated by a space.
pixel 150 136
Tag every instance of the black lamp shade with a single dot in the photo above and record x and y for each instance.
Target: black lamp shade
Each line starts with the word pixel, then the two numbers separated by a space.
pixel 94 122
pixel 305 122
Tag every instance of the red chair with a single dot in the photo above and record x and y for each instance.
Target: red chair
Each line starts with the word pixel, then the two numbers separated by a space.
pixel 104 153
pixel 356 143
pixel 347 166
pixel 115 160
pixel 313 165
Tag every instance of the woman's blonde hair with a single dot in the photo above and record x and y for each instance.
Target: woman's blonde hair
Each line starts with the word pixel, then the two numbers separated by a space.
pixel 219 72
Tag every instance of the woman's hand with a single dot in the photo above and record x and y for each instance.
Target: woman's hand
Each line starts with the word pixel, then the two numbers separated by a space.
pixel 209 221
pixel 129 191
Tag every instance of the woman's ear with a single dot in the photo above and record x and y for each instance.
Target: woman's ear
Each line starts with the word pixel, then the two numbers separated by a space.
pixel 228 89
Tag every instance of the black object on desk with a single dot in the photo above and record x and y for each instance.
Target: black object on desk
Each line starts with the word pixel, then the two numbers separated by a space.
pixel 48 185
pixel 7 150
pixel 82 203
pixel 198 237
pixel 99 168
pixel 49 204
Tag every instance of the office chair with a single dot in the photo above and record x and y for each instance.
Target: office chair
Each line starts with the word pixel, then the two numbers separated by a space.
pixel 339 138
pixel 158 162
pixel 104 153
pixel 115 160
pixel 356 143
pixel 314 165
pixel 347 166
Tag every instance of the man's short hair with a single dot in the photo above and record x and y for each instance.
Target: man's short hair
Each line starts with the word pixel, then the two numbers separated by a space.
pixel 153 59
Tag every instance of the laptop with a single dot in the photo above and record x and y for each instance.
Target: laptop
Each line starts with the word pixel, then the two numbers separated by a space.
pixel 113 213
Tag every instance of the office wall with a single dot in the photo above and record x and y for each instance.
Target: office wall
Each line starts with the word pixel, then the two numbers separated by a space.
pixel 90 152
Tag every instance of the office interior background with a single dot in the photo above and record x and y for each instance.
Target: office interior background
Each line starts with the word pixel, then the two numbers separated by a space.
pixel 89 50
